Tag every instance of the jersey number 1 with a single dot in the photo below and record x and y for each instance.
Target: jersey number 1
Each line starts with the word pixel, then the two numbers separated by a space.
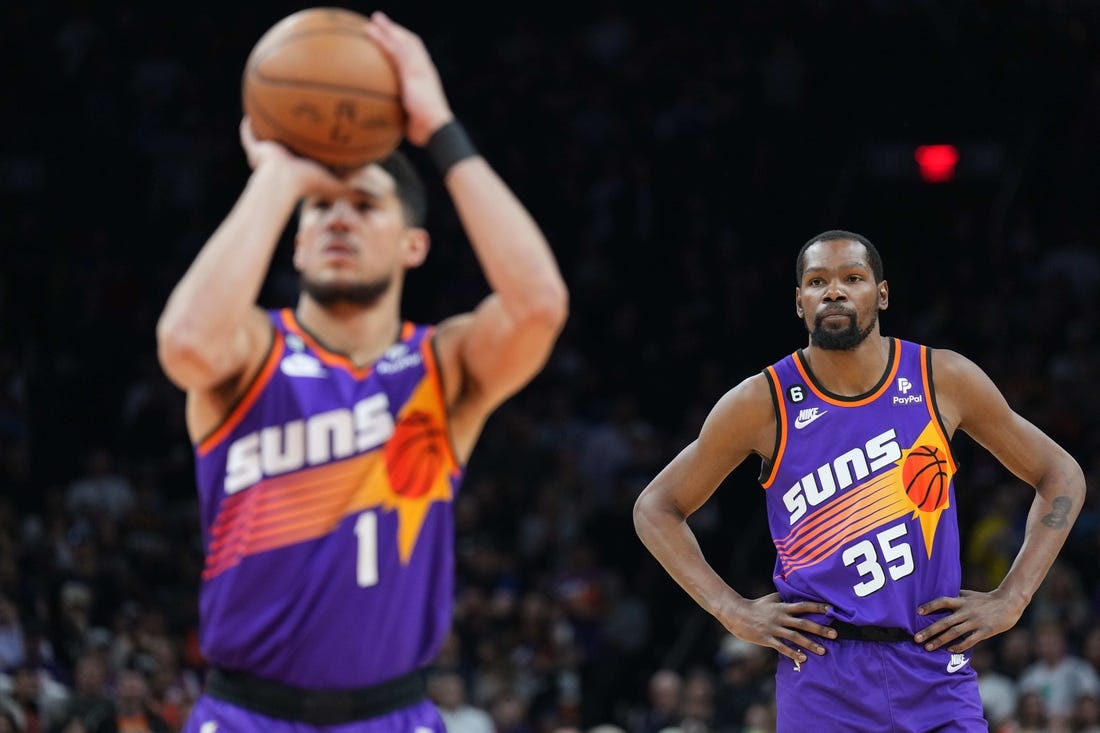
pixel 366 565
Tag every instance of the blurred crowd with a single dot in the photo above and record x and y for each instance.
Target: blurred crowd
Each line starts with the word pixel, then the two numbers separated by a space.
pixel 677 159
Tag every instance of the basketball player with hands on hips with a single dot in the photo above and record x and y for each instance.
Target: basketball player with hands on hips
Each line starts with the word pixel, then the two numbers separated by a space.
pixel 330 439
pixel 854 432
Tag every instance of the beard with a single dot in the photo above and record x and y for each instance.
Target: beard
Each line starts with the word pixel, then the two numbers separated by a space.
pixel 362 295
pixel 840 339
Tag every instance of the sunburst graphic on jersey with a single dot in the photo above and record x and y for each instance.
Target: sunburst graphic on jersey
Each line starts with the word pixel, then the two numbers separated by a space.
pixel 926 473
pixel 413 470
pixel 409 472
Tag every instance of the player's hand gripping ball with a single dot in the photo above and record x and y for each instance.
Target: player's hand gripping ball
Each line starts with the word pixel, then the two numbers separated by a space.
pixel 316 83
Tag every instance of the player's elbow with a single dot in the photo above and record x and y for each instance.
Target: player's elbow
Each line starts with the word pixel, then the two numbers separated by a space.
pixel 179 363
pixel 641 509
pixel 1062 483
pixel 543 310
pixel 649 510
pixel 182 357
pixel 1074 478
pixel 549 305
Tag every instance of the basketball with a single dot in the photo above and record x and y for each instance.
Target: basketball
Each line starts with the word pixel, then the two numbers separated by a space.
pixel 415 454
pixel 316 83
pixel 925 478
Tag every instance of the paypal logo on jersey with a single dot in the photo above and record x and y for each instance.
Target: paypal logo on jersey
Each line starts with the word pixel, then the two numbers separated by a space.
pixel 397 358
pixel 904 385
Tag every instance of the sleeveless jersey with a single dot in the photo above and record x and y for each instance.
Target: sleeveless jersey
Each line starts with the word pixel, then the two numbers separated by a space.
pixel 326 515
pixel 860 493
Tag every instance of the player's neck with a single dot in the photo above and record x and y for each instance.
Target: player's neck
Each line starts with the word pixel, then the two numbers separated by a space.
pixel 360 333
pixel 850 372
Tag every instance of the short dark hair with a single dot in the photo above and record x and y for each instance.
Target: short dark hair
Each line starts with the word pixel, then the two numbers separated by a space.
pixel 409 187
pixel 874 259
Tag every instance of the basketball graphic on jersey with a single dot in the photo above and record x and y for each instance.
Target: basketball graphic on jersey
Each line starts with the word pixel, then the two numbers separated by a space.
pixel 924 475
pixel 415 454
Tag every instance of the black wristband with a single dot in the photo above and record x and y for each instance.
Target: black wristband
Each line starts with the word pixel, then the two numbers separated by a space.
pixel 449 145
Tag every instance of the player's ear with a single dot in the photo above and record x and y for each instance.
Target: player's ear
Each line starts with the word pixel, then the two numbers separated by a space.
pixel 417 244
pixel 883 295
pixel 798 303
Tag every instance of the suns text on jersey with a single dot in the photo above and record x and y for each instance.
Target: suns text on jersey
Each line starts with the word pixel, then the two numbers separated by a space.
pixel 852 465
pixel 318 439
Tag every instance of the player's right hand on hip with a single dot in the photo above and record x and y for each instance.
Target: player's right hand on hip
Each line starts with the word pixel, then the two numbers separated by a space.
pixel 768 621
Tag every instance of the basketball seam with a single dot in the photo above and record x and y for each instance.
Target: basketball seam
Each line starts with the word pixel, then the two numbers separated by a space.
pixel 293 136
pixel 419 472
pixel 400 441
pixel 339 30
pixel 323 87
pixel 935 466
pixel 940 488
pixel 254 65
pixel 938 478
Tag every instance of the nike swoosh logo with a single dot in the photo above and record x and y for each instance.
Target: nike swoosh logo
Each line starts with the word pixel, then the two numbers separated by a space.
pixel 954 665
pixel 800 423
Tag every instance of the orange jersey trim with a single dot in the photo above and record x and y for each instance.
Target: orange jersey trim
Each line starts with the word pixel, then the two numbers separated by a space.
pixel 328 356
pixel 780 425
pixel 854 403
pixel 925 360
pixel 248 399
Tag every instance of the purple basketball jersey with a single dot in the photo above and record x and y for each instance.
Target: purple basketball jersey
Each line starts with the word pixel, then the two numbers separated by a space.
pixel 326 516
pixel 860 493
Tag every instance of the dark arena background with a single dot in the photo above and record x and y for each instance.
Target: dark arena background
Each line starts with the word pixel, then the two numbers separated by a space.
pixel 677 156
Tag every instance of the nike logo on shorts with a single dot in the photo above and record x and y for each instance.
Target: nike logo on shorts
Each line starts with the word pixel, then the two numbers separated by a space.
pixel 958 661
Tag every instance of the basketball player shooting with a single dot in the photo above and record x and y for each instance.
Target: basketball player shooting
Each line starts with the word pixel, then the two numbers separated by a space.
pixel 330 439
pixel 854 433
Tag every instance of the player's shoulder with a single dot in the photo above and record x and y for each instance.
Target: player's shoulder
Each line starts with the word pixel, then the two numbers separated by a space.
pixel 755 387
pixel 743 418
pixel 959 382
pixel 951 366
pixel 751 396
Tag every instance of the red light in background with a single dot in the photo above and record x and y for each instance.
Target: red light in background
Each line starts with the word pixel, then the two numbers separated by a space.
pixel 937 162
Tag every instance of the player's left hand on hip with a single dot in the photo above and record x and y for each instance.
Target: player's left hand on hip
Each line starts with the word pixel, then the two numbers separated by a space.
pixel 973 616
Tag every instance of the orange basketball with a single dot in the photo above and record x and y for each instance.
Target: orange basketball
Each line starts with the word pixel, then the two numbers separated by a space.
pixel 925 476
pixel 415 454
pixel 316 83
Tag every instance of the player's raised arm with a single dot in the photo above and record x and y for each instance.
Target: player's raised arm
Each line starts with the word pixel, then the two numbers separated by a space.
pixel 969 400
pixel 493 352
pixel 742 422
pixel 211 330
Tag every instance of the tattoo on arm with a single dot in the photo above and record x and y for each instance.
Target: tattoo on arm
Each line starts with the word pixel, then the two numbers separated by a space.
pixel 1057 517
